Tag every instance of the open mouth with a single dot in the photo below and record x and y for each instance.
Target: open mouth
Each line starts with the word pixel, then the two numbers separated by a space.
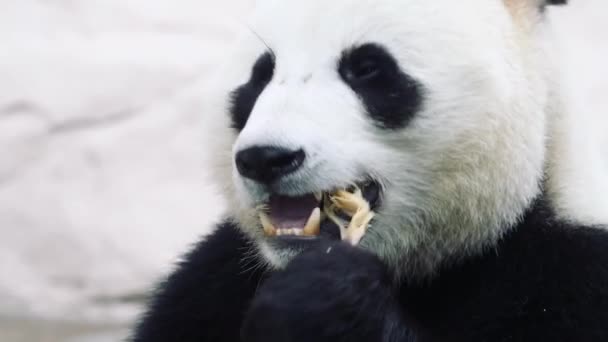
pixel 351 209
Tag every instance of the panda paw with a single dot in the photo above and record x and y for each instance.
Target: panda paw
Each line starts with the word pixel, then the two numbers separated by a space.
pixel 334 292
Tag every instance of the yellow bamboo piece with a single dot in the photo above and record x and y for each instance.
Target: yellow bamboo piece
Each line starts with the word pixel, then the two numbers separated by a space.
pixel 353 205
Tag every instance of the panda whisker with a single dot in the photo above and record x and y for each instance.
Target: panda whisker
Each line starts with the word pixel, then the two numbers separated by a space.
pixel 262 40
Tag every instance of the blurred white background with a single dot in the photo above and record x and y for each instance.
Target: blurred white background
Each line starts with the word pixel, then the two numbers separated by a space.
pixel 103 178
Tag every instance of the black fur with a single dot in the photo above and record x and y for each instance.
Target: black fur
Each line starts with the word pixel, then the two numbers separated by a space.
pixel 206 298
pixel 391 97
pixel 330 293
pixel 244 97
pixel 546 280
pixel 544 5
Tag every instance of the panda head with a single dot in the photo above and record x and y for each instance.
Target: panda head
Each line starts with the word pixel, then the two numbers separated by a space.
pixel 436 109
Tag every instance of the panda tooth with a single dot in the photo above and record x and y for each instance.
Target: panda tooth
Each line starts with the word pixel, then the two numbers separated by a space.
pixel 313 226
pixel 269 229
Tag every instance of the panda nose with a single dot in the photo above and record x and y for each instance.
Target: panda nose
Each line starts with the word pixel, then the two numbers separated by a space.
pixel 266 164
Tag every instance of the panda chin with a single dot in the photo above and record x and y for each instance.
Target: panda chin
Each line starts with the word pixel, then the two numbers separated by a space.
pixel 339 214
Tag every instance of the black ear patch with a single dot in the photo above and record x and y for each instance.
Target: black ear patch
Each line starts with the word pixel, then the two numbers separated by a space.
pixel 546 3
pixel 553 2
pixel 390 96
pixel 243 99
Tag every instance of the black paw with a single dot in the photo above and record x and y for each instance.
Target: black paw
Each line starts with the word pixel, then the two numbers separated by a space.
pixel 333 292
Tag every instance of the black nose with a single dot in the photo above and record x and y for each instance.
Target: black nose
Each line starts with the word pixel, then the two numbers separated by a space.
pixel 266 164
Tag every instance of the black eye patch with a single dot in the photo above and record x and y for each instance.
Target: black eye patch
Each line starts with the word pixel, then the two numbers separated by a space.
pixel 390 96
pixel 243 99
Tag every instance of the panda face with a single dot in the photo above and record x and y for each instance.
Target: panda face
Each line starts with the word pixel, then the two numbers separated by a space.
pixel 434 108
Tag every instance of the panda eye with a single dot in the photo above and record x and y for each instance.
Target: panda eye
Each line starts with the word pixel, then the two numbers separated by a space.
pixel 365 64
pixel 364 70
pixel 390 96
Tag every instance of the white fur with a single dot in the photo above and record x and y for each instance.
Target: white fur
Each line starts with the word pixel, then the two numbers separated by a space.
pixel 464 169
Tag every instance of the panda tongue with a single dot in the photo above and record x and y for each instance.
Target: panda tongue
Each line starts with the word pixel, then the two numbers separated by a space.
pixel 291 212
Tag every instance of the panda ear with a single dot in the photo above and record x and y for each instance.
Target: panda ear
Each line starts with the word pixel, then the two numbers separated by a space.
pixel 545 3
pixel 527 7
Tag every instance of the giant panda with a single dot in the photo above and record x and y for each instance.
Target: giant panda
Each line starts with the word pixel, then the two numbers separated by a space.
pixel 439 114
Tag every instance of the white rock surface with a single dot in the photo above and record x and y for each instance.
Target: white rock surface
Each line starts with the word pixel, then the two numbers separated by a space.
pixel 102 161
pixel 102 144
